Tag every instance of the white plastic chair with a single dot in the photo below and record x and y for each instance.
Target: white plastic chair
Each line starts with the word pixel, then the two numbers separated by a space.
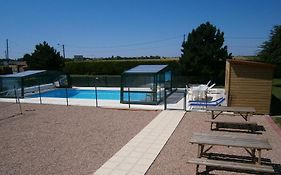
pixel 209 88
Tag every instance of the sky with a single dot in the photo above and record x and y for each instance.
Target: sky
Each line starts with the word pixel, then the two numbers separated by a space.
pixel 105 28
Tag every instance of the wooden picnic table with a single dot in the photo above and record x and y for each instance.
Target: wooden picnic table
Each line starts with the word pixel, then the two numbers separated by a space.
pixel 250 126
pixel 250 143
pixel 242 111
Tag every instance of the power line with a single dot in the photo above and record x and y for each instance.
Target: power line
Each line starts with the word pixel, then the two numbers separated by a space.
pixel 128 45
pixel 245 38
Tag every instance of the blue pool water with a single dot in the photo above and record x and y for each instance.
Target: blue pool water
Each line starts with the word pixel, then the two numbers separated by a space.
pixel 89 94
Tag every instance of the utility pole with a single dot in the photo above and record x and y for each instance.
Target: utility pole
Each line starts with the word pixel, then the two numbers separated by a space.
pixel 63 51
pixel 7 49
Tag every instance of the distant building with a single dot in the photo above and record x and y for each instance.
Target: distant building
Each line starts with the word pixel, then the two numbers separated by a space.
pixel 78 56
pixel 8 66
pixel 18 66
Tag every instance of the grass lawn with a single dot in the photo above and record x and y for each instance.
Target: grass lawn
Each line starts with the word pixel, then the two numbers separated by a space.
pixel 276 82
pixel 278 121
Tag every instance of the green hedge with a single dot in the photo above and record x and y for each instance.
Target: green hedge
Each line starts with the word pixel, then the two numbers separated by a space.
pixel 117 67
pixel 5 70
pixel 114 67
pixel 95 80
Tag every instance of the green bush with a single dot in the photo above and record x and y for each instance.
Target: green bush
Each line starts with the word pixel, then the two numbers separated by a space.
pixel 95 80
pixel 5 70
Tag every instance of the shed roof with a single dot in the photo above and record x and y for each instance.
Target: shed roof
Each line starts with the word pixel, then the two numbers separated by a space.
pixel 146 69
pixel 23 74
pixel 251 63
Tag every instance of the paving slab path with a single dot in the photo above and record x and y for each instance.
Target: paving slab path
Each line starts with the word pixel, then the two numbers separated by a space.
pixel 139 153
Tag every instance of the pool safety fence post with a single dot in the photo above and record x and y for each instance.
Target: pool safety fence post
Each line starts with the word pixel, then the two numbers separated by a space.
pixel 15 91
pixel 184 99
pixel 96 91
pixel 206 99
pixel 17 99
pixel 40 98
pixel 165 99
pixel 96 95
pixel 66 95
pixel 129 97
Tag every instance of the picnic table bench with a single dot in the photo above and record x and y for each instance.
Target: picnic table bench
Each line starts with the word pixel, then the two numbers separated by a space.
pixel 249 143
pixel 231 165
pixel 251 126
pixel 242 111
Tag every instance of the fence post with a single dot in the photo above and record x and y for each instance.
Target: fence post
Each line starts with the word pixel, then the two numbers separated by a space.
pixel 66 95
pixel 184 102
pixel 17 99
pixel 165 100
pixel 96 92
pixel 129 97
pixel 40 94
pixel 206 98
pixel 15 91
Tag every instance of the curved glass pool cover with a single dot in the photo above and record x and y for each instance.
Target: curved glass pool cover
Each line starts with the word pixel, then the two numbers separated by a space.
pixel 148 80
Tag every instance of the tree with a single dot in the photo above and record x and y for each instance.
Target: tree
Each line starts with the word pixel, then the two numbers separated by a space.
pixel 203 52
pixel 271 49
pixel 44 57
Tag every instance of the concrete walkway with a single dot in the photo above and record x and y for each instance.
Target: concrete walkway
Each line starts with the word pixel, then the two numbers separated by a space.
pixel 139 153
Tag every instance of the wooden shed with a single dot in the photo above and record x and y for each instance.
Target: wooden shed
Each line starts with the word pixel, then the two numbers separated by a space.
pixel 249 83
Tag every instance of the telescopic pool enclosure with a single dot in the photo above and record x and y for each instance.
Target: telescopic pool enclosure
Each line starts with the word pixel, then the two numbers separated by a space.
pixel 146 84
pixel 23 83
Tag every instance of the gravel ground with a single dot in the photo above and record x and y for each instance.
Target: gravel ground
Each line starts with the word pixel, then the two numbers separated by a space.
pixel 53 139
pixel 50 139
pixel 173 157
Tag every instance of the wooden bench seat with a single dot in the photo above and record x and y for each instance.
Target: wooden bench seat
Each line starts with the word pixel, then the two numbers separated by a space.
pixel 231 165
pixel 221 124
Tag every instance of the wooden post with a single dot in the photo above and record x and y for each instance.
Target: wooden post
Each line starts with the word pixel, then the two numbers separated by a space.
pixel 259 159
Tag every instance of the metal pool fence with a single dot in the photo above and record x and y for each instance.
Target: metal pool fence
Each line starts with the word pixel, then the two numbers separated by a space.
pixel 115 80
pixel 95 82
pixel 65 100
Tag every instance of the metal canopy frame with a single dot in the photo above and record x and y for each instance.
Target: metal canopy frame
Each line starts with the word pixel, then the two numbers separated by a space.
pixel 155 78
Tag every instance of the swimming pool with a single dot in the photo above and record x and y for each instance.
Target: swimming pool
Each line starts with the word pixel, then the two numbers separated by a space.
pixel 89 94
